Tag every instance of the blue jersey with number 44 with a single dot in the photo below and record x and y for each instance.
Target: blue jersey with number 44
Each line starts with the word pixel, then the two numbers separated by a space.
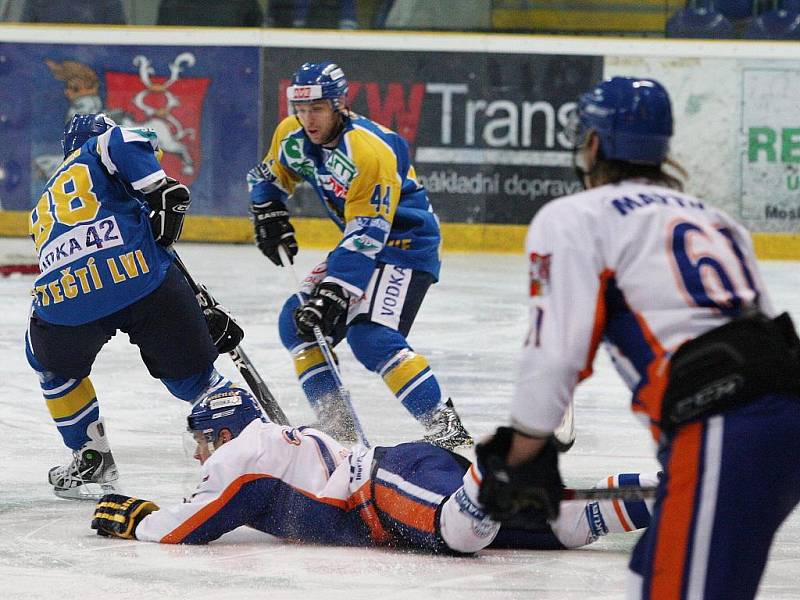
pixel 91 230
pixel 370 190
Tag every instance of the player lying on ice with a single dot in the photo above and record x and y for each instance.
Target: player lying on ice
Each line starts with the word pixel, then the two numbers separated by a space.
pixel 301 484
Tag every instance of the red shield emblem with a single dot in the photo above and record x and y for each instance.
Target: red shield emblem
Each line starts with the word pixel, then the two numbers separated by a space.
pixel 540 274
pixel 173 111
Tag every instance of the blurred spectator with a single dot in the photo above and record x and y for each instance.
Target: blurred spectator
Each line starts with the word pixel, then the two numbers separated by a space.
pixel 109 12
pixel 735 9
pixel 210 13
pixel 304 13
pixel 458 15
pixel 782 22
pixel 347 16
pixel 699 19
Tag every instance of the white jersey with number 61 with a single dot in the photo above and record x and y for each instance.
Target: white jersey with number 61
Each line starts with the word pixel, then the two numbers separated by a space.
pixel 640 267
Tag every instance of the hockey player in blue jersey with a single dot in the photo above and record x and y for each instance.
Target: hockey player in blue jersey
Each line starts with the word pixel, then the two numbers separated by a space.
pixel 301 484
pixel 373 282
pixel 102 230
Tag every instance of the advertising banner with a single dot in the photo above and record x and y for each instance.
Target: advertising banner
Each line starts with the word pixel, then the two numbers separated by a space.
pixel 201 101
pixel 485 130
pixel 770 164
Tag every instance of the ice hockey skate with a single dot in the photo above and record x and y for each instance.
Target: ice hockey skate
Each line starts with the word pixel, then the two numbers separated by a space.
pixel 92 471
pixel 446 431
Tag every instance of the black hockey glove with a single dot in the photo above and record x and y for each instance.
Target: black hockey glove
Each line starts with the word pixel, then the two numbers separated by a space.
pixel 323 309
pixel 168 205
pixel 118 516
pixel 222 327
pixel 506 491
pixel 273 229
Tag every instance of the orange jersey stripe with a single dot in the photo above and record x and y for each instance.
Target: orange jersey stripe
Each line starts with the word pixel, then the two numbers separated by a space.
pixel 184 529
pixel 677 513
pixel 652 393
pixel 177 535
pixel 599 323
pixel 368 513
pixel 474 474
pixel 407 511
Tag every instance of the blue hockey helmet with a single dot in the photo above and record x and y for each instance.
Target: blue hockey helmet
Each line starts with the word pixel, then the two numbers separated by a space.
pixel 318 81
pixel 632 117
pixel 81 128
pixel 230 408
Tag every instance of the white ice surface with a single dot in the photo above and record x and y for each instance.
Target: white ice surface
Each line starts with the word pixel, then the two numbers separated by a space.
pixel 469 328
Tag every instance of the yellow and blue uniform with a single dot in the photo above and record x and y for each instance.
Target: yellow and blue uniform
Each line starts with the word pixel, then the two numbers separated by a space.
pixel 102 272
pixel 369 188
pixel 387 258
pixel 90 229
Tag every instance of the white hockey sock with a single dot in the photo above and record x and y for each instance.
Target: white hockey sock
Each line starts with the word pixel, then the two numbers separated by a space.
pixel 464 525
pixel 581 523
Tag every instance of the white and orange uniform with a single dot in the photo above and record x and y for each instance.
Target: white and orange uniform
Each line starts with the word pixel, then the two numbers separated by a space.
pixel 644 268
pixel 301 484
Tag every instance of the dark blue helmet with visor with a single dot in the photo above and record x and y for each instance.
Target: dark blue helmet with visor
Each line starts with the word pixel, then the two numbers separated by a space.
pixel 230 408
pixel 632 117
pixel 81 128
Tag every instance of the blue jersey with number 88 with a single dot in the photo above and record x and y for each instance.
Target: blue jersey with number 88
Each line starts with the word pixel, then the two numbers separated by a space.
pixel 90 227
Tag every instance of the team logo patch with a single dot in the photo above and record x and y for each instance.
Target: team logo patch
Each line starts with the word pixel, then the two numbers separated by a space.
pixel 540 274
pixel 297 161
pixel 292 436
pixel 341 167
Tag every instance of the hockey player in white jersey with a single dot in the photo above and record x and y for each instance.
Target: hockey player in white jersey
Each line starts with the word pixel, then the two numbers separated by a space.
pixel 301 484
pixel 670 284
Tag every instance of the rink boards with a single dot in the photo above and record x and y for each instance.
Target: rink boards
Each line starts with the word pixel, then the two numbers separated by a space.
pixel 484 116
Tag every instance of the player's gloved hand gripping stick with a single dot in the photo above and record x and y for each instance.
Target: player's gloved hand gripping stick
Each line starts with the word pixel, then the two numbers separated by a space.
pixel 518 496
pixel 227 334
pixel 319 338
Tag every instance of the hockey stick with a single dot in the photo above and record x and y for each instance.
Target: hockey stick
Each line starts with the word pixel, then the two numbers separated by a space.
pixel 344 394
pixel 625 493
pixel 240 359
pixel 258 387
pixel 532 514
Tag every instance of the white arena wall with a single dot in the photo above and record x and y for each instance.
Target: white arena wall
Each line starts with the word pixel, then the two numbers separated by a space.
pixel 737 129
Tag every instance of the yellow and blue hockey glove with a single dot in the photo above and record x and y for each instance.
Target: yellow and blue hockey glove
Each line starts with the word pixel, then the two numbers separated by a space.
pixel 118 516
